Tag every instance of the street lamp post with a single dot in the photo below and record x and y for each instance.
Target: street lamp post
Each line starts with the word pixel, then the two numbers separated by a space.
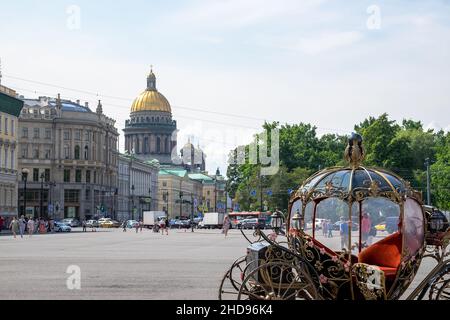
pixel 150 199
pixel 181 203
pixel 50 185
pixel 25 173
pixel 192 213
pixel 132 201
pixel 41 196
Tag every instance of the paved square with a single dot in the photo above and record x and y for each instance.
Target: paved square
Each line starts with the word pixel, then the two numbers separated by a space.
pixel 120 265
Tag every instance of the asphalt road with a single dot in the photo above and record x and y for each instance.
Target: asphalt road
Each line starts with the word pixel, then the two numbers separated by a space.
pixel 121 265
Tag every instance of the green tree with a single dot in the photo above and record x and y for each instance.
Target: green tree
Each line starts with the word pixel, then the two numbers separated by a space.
pixel 440 175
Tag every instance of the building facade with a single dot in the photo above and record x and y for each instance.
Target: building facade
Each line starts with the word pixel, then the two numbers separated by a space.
pixel 179 195
pixel 10 109
pixel 150 133
pixel 137 187
pixel 72 157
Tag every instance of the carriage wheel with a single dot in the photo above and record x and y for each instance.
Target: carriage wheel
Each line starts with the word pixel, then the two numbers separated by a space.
pixel 444 291
pixel 232 280
pixel 278 281
pixel 440 289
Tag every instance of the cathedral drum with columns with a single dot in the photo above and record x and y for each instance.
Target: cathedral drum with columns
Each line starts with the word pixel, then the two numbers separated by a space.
pixel 150 133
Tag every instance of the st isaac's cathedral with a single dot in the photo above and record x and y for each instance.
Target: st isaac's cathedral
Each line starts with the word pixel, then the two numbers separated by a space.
pixel 151 132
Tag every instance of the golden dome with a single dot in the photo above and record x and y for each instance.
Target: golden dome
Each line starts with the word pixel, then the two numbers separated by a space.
pixel 151 100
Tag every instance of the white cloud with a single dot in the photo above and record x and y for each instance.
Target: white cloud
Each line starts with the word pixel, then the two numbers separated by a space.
pixel 326 41
pixel 238 13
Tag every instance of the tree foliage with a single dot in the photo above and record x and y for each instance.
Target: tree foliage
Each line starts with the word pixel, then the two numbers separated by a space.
pixel 402 148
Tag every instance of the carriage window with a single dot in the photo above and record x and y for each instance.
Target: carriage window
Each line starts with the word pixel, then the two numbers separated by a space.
pixel 413 231
pixel 379 219
pixel 308 218
pixel 332 224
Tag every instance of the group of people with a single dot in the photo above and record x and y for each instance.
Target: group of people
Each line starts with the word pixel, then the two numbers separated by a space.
pixel 327 228
pixel 162 225
pixel 23 225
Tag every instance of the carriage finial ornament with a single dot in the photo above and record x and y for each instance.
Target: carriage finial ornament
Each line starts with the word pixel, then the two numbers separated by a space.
pixel 354 152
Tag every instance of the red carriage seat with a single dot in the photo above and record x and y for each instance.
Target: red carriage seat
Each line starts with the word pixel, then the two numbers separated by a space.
pixel 386 254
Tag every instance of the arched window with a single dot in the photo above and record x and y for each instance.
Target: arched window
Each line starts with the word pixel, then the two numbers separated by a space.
pixel 166 145
pixel 77 152
pixel 148 119
pixel 86 153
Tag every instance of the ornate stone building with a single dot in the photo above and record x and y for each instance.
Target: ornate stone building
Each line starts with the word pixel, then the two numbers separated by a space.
pixel 150 133
pixel 138 187
pixel 71 154
pixel 10 108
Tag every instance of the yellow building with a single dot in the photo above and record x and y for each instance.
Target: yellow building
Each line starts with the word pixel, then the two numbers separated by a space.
pixel 10 109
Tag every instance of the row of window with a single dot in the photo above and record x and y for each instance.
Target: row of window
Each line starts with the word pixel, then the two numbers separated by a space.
pixel 89 176
pixel 37 133
pixel 45 175
pixel 78 134
pixel 7 197
pixel 7 158
pixel 4 126
pixel 36 112
pixel 48 134
pixel 152 119
pixel 35 154
pixel 34 195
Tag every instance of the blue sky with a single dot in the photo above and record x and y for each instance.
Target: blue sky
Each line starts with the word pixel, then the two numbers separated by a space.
pixel 312 61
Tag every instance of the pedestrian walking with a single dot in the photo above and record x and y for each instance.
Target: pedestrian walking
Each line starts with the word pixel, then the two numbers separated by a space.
pixel 30 226
pixel 226 225
pixel 14 226
pixel 137 227
pixel 83 223
pixel 141 225
pixel 22 225
pixel 51 225
pixel 343 229
pixel 324 227
pixel 2 222
pixel 330 229
pixel 366 226
pixel 41 225
pixel 124 225
pixel 163 226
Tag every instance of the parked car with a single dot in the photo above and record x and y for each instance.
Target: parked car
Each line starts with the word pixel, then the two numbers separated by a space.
pixel 61 227
pixel 236 223
pixel 197 221
pixel 253 223
pixel 392 224
pixel 132 223
pixel 109 223
pixel 73 222
pixel 92 224
pixel 381 227
pixel 180 224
